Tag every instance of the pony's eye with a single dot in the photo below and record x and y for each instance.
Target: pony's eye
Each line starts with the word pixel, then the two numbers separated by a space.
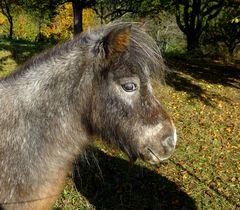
pixel 129 87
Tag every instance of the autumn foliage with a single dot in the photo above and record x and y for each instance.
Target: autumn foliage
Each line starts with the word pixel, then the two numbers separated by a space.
pixel 2 19
pixel 61 27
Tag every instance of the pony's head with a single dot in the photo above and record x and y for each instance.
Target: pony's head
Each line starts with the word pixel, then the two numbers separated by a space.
pixel 123 109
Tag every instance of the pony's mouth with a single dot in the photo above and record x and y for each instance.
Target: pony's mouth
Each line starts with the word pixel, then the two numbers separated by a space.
pixel 152 157
pixel 153 154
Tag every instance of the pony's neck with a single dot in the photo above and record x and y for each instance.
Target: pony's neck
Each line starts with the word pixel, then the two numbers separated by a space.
pixel 52 87
pixel 53 76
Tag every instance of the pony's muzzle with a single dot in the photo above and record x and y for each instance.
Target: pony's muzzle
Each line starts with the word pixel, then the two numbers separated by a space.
pixel 161 147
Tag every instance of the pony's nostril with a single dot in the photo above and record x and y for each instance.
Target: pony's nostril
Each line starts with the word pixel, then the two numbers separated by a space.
pixel 170 142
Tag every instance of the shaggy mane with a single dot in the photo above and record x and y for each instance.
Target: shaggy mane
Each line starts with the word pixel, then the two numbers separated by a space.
pixel 144 52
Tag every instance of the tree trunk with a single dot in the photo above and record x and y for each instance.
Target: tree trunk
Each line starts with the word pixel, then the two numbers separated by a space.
pixel 10 36
pixel 193 17
pixel 78 16
pixel 192 41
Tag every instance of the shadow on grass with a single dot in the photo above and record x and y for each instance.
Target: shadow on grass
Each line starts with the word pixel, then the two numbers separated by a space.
pixel 213 73
pixel 180 83
pixel 119 186
pixel 207 72
pixel 21 49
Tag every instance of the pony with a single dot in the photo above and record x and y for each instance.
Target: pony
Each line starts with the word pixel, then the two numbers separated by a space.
pixel 97 84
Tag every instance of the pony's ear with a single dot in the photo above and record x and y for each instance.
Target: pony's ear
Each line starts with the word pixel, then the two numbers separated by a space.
pixel 117 40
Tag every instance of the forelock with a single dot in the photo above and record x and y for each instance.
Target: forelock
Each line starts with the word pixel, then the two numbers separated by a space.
pixel 143 51
pixel 146 54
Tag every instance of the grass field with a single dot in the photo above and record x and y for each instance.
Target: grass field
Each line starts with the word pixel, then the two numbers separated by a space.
pixel 204 172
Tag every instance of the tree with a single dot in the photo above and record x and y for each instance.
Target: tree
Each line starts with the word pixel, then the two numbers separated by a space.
pixel 47 9
pixel 229 32
pixel 42 11
pixel 6 7
pixel 61 26
pixel 78 6
pixel 193 17
pixel 110 10
pixel 225 29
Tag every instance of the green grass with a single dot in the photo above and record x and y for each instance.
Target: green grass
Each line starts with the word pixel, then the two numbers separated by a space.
pixel 204 172
pixel 15 52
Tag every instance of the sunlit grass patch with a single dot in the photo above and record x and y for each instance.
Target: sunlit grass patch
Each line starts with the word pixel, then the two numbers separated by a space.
pixel 7 63
pixel 208 137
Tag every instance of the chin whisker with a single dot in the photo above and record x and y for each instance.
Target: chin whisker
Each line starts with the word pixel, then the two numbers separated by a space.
pixel 150 150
